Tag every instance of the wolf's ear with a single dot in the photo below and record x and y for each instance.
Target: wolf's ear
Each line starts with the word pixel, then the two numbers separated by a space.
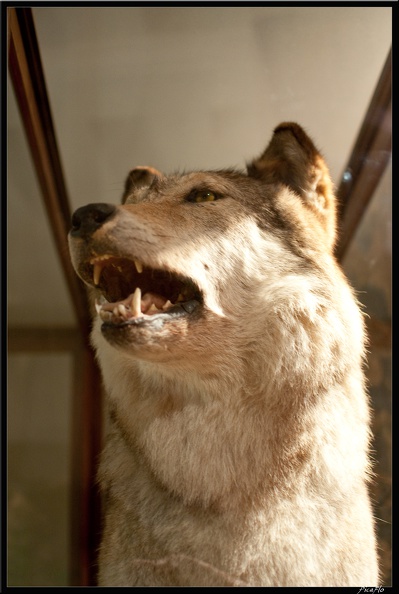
pixel 292 159
pixel 138 178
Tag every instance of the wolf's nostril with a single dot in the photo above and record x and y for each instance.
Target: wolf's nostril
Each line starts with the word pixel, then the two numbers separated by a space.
pixel 87 219
pixel 76 220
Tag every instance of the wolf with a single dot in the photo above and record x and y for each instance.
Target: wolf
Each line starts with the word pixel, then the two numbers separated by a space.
pixel 232 350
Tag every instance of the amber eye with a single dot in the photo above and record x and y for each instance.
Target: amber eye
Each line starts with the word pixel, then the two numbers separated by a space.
pixel 202 196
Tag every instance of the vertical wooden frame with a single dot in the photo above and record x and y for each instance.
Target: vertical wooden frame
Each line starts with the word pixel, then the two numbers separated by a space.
pixel 86 444
pixel 370 155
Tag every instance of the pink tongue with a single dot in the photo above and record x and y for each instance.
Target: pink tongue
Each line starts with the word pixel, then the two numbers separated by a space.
pixel 151 298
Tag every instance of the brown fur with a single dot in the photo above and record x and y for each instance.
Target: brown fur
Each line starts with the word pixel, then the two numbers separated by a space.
pixel 238 448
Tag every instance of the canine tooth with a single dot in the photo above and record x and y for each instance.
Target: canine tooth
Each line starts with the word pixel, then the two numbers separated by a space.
pixel 96 273
pixel 97 306
pixel 153 308
pixel 167 304
pixel 100 258
pixel 139 266
pixel 136 302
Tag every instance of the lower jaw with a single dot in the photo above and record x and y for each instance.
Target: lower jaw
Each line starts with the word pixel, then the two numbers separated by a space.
pixel 151 331
pixel 176 311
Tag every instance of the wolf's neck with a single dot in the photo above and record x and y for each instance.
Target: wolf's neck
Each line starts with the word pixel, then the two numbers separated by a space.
pixel 197 431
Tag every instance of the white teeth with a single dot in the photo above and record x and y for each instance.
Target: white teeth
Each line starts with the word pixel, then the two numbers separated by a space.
pixel 96 273
pixel 100 258
pixel 136 302
pixel 153 308
pixel 126 310
pixel 122 309
pixel 98 303
pixel 139 266
pixel 106 316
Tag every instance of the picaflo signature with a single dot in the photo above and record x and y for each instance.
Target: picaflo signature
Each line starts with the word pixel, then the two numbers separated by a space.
pixel 373 590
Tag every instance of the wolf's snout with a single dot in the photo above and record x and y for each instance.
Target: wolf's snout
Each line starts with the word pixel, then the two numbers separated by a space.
pixel 87 219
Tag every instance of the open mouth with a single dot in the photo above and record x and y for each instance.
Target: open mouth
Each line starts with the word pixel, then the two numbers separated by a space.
pixel 133 293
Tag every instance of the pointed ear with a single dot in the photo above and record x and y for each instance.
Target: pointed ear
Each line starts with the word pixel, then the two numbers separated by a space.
pixel 292 159
pixel 138 178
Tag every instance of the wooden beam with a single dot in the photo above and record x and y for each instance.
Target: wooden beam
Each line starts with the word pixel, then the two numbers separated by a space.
pixel 30 88
pixel 379 333
pixel 86 444
pixel 369 158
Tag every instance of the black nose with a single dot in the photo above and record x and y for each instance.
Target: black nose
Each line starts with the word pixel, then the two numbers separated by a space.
pixel 87 219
